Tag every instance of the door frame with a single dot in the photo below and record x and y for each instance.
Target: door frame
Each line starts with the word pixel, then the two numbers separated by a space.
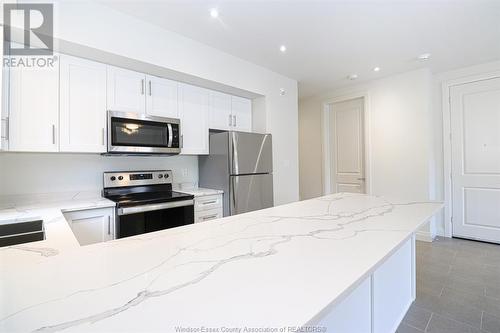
pixel 447 139
pixel 325 122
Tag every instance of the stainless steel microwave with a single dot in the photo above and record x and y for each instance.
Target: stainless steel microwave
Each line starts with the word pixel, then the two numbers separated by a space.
pixel 132 133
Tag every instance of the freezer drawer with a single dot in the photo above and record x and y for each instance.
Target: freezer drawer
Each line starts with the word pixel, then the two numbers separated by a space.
pixel 250 192
pixel 250 153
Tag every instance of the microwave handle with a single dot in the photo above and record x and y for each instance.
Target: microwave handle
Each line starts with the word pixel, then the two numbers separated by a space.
pixel 170 135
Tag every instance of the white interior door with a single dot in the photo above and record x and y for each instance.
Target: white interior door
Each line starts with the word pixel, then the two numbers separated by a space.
pixel 347 146
pixel 475 142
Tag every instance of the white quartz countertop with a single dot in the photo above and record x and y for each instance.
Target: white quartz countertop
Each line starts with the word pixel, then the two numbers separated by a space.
pixel 276 267
pixel 200 191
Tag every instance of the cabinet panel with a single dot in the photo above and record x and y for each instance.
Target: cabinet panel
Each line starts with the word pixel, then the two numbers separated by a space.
pixel 208 202
pixel 241 109
pixel 161 98
pixel 83 105
pixel 207 215
pixel 126 90
pixel 220 116
pixel 194 119
pixel 34 109
pixel 92 226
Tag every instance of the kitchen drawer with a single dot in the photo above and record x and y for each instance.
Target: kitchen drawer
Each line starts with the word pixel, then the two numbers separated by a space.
pixel 208 215
pixel 208 202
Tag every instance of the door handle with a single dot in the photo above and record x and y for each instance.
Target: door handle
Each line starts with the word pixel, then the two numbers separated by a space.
pixel 53 134
pixel 142 87
pixel 230 121
pixel 150 90
pixel 234 118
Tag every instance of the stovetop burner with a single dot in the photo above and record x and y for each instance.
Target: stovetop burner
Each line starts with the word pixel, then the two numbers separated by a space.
pixel 134 199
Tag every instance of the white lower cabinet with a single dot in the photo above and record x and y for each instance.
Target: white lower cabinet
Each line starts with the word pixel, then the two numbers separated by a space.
pixel 207 208
pixel 92 225
pixel 379 303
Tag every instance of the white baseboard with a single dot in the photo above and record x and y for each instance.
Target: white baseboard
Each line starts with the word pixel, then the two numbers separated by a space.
pixel 424 236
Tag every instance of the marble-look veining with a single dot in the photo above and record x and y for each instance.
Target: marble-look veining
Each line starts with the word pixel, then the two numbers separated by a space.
pixel 276 267
pixel 49 208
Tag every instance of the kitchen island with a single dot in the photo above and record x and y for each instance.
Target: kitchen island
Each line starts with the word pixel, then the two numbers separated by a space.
pixel 340 263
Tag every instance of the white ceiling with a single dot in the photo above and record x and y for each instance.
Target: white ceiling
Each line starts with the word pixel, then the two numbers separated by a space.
pixel 328 40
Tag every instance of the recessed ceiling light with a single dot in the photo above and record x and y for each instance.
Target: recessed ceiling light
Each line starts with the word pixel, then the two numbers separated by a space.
pixel 214 12
pixel 376 69
pixel 283 48
pixel 424 56
pixel 353 77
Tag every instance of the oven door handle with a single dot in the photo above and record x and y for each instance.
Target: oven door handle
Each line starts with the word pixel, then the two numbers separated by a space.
pixel 153 207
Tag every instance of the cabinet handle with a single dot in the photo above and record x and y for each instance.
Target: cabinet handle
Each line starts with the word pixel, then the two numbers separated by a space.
pixel 109 225
pixel 6 132
pixel 230 121
pixel 234 117
pixel 150 90
pixel 53 134
pixel 209 217
pixel 103 135
pixel 142 87
pixel 182 141
pixel 209 202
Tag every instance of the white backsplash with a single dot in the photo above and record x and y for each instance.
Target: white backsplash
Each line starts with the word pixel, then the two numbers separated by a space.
pixel 34 173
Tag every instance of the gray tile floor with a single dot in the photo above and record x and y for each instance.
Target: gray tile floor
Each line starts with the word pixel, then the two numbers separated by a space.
pixel 458 288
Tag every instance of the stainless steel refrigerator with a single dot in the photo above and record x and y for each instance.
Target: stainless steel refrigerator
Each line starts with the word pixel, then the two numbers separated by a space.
pixel 240 164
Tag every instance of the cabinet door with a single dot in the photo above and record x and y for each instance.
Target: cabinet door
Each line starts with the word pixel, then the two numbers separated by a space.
pixel 241 109
pixel 83 105
pixel 34 109
pixel 126 90
pixel 194 120
pixel 92 226
pixel 161 98
pixel 220 111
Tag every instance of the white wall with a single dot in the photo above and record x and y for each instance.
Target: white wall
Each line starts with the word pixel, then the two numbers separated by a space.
pixel 402 146
pixel 100 27
pixel 23 173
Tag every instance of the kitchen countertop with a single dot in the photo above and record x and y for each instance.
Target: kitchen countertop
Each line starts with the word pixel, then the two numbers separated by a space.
pixel 199 191
pixel 270 268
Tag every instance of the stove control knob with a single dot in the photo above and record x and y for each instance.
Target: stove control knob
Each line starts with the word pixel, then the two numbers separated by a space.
pixel 113 178
pixel 160 176
pixel 120 177
pixel 166 175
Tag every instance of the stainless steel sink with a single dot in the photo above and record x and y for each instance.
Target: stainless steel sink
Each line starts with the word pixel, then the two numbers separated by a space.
pixel 21 232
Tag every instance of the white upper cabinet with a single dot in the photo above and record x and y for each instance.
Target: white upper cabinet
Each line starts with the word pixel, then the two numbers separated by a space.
pixel 193 112
pixel 220 116
pixel 126 90
pixel 34 109
pixel 161 97
pixel 241 109
pixel 82 105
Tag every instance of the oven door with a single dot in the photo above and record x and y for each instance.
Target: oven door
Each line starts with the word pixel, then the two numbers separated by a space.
pixel 142 134
pixel 148 218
